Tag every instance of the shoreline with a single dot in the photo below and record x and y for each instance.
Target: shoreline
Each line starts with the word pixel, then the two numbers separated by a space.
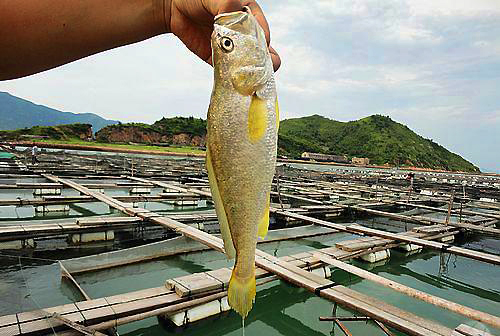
pixel 416 169
pixel 100 148
pixel 201 155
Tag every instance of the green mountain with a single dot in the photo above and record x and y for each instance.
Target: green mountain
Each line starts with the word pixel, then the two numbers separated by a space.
pixel 59 132
pixel 162 130
pixel 176 125
pixel 376 137
pixel 18 113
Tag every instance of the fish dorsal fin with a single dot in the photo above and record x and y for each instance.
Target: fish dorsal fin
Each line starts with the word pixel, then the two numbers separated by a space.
pixel 264 220
pixel 219 209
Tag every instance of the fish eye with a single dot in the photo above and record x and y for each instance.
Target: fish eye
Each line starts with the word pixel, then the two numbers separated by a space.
pixel 226 44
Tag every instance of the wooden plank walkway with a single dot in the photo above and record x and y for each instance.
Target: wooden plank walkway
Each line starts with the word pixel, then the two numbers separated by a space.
pixel 463 211
pixel 484 229
pixel 49 200
pixel 452 306
pixel 485 257
pixel 176 246
pixel 422 220
pixel 414 219
pixel 26 229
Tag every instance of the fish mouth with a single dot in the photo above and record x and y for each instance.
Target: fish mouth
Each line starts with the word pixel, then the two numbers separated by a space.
pixel 230 19
pixel 233 18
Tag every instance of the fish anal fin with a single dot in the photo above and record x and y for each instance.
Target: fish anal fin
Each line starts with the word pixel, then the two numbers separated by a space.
pixel 264 220
pixel 219 209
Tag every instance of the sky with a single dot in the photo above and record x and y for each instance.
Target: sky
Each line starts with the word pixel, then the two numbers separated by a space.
pixel 432 65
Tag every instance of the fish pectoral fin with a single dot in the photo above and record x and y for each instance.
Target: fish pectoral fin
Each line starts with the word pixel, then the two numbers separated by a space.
pixel 257 119
pixel 219 209
pixel 264 220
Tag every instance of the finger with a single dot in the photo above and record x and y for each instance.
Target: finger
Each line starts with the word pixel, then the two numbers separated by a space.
pixel 209 60
pixel 231 6
pixel 275 58
pixel 259 16
pixel 216 7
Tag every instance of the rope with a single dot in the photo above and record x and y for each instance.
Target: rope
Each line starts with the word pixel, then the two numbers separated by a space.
pixel 317 290
pixel 220 305
pixel 30 258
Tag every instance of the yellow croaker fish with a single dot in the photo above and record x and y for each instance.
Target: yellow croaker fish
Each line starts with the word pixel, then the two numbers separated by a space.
pixel 241 147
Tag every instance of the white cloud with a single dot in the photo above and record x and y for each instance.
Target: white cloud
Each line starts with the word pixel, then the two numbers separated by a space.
pixel 139 82
pixel 427 63
pixel 408 33
pixel 454 7
pixel 488 48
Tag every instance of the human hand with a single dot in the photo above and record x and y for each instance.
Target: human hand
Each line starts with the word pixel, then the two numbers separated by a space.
pixel 192 22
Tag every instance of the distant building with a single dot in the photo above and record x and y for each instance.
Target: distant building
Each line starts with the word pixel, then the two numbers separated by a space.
pixel 324 157
pixel 360 161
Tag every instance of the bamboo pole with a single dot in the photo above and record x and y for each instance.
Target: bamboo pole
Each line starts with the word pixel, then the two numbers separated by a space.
pixel 66 274
pixel 159 311
pixel 345 318
pixel 76 326
pixel 414 293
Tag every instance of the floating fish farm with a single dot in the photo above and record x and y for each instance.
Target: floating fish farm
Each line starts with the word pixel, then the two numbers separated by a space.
pixel 96 243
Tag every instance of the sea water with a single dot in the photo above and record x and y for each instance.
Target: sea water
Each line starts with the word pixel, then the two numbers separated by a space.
pixel 280 308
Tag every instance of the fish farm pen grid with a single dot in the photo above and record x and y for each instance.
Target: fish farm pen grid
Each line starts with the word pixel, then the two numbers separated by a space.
pixel 380 211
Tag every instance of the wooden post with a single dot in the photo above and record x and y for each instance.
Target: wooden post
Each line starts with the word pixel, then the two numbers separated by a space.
pixel 461 207
pixel 278 189
pixel 450 205
pixel 67 275
pixel 411 189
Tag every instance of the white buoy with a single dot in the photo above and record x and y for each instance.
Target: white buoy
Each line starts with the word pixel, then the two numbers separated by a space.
pixel 47 191
pixel 140 190
pixel 17 244
pixel 199 312
pixel 410 247
pixel 52 208
pixel 323 272
pixel 92 237
pixel 376 256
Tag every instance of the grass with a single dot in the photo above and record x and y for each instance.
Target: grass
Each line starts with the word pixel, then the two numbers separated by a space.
pixel 182 149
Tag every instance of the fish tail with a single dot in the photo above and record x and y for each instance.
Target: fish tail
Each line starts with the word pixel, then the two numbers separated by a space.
pixel 241 293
